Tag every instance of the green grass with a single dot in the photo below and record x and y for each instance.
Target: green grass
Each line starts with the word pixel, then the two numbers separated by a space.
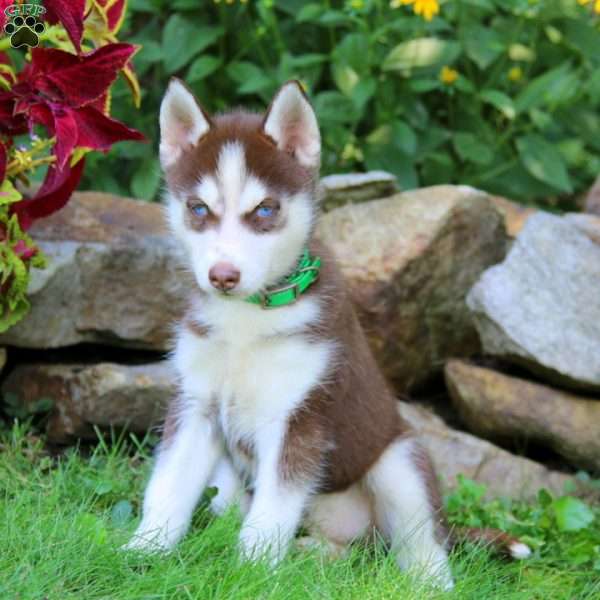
pixel 63 520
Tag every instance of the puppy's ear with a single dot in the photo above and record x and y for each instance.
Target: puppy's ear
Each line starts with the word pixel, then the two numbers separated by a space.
pixel 291 123
pixel 182 122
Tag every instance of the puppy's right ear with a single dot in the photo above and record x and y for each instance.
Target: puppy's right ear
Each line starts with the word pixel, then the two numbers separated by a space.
pixel 182 122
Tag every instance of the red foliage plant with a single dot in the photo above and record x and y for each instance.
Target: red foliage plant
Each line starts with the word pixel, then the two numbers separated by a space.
pixel 64 91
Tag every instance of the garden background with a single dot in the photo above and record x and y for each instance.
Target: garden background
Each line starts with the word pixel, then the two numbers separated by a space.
pixel 501 95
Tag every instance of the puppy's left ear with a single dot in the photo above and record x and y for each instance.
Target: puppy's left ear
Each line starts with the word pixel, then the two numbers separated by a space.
pixel 182 122
pixel 291 123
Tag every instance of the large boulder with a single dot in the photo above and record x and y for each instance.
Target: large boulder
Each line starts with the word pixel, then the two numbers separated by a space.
pixel 540 307
pixel 103 394
pixel 111 279
pixel 455 453
pixel 409 261
pixel 500 407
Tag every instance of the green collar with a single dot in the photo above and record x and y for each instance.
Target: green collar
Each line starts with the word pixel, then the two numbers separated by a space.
pixel 292 286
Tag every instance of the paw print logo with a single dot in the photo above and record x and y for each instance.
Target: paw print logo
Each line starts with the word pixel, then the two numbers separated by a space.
pixel 24 31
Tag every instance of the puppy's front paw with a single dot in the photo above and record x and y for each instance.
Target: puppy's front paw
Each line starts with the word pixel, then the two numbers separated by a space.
pixel 256 545
pixel 250 544
pixel 149 542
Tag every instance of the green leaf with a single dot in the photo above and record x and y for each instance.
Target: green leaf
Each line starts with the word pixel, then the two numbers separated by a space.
pixel 387 157
pixel 8 193
pixel 482 45
pixel 353 51
pixel 145 181
pixel 544 162
pixel 553 88
pixel 202 67
pixel 422 52
pixel 500 101
pixel 572 514
pixel 183 39
pixel 363 92
pixel 471 149
pixel 121 513
pixel 334 108
pixel 103 488
pixel 310 13
pixel 345 77
pixel 404 137
pixel 250 78
pixel 420 86
pixel 584 36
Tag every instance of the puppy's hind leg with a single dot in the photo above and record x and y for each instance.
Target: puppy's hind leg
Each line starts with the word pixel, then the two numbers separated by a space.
pixel 406 510
pixel 229 488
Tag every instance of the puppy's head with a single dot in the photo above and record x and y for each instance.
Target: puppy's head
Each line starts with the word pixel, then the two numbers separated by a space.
pixel 240 187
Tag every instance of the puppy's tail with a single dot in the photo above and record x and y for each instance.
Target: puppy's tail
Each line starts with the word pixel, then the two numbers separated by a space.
pixel 499 541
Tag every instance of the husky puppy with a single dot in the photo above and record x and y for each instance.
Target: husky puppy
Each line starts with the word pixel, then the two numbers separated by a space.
pixel 281 404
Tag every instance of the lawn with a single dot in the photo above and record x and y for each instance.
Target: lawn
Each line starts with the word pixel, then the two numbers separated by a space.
pixel 64 518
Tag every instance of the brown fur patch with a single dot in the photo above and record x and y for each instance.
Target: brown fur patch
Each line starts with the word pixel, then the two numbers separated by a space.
pixel 347 422
pixel 278 169
pixel 497 540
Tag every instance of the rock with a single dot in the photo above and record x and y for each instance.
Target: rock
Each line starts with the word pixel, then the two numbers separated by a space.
pixel 111 277
pixel 540 308
pixel 104 394
pixel 409 261
pixel 345 188
pixel 500 407
pixel 454 452
pixel 515 215
pixel 591 204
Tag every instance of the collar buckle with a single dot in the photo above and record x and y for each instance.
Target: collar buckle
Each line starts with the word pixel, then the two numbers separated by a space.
pixel 265 297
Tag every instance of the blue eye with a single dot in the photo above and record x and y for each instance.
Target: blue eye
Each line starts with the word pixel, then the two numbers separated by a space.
pixel 200 210
pixel 264 211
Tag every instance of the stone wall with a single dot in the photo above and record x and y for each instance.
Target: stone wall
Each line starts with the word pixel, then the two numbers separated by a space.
pixel 441 278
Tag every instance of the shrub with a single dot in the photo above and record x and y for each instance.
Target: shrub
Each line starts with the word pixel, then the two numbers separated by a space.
pixel 500 94
pixel 54 109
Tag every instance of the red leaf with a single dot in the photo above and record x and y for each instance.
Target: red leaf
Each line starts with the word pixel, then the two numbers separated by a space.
pixel 115 14
pixel 70 14
pixel 78 79
pixel 52 196
pixel 2 162
pixel 10 122
pixel 99 132
pixel 65 127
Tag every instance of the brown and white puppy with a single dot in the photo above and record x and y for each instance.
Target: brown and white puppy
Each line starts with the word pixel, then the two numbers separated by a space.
pixel 284 409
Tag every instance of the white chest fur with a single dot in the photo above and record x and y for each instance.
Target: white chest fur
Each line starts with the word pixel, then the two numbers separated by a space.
pixel 251 371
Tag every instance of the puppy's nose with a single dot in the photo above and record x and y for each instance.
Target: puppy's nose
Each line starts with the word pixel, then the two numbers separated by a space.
pixel 224 276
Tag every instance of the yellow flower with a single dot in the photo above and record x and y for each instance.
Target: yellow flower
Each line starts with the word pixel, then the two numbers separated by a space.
pixel 426 8
pixel 448 75
pixel 515 73
pixel 596 4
